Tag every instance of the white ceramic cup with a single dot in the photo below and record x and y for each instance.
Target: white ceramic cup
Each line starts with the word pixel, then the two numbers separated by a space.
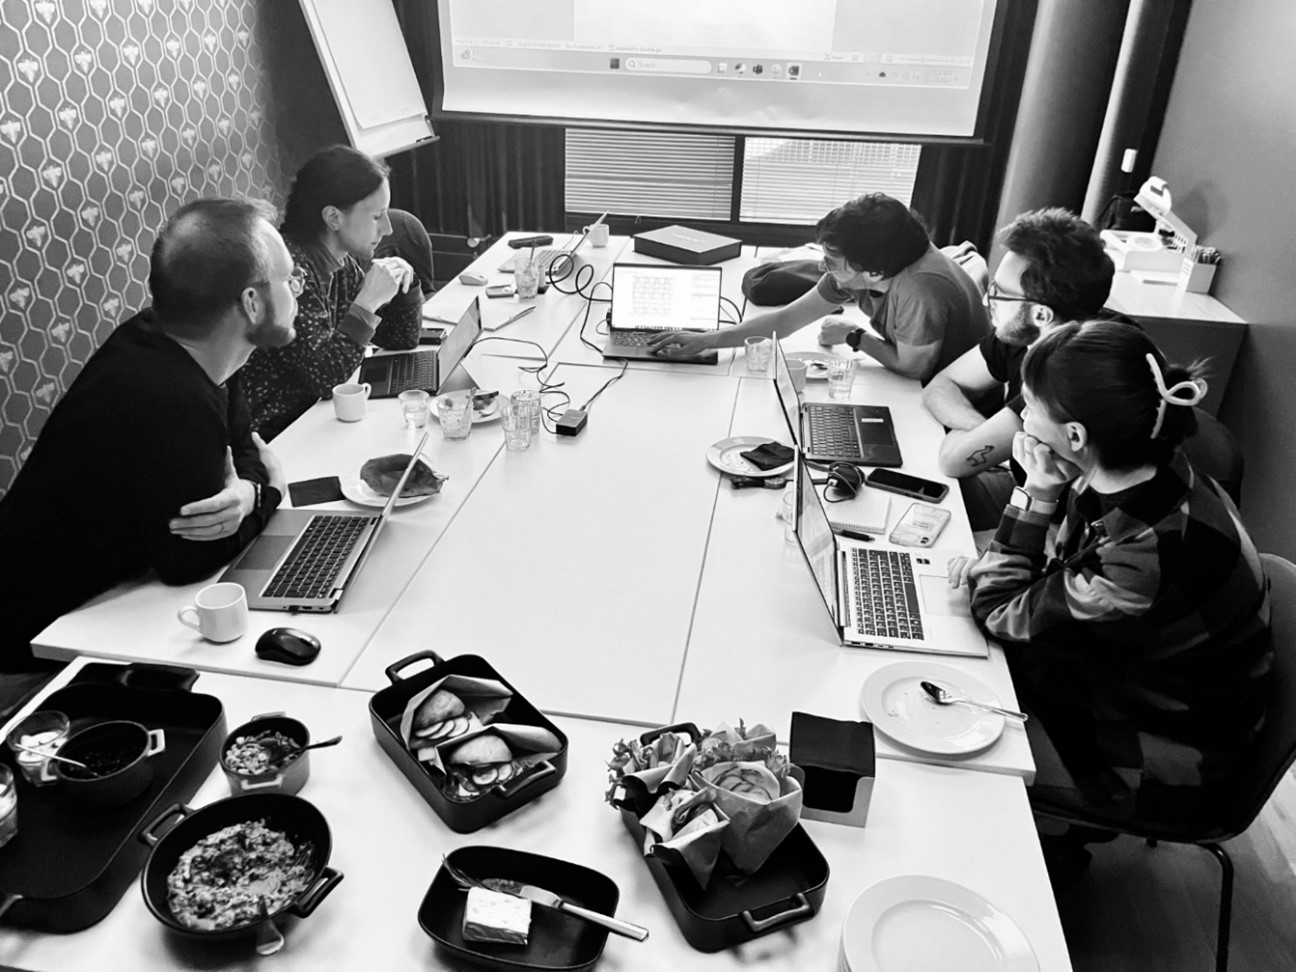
pixel 349 401
pixel 598 234
pixel 797 369
pixel 219 612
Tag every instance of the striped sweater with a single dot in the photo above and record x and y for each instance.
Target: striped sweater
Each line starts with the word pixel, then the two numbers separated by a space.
pixel 1142 644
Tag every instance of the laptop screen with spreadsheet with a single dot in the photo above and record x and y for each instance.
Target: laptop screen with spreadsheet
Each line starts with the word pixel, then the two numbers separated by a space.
pixel 661 297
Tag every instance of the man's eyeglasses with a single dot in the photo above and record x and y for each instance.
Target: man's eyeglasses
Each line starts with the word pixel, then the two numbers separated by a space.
pixel 993 293
pixel 296 282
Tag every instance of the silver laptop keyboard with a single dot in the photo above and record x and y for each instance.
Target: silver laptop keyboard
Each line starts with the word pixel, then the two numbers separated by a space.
pixel 633 339
pixel 831 431
pixel 886 598
pixel 312 565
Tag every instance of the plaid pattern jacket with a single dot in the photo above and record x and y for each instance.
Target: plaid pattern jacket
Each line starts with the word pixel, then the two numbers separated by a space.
pixel 1142 644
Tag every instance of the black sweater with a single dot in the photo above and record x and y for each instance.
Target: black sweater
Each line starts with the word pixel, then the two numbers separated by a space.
pixel 141 432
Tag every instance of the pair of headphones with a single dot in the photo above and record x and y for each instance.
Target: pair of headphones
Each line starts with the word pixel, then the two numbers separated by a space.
pixel 844 479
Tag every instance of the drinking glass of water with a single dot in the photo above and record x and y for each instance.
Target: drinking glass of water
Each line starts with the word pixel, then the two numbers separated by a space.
pixel 841 376
pixel 414 408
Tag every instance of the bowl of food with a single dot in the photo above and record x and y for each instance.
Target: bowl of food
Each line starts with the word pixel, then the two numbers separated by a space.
pixel 268 752
pixel 107 764
pixel 238 867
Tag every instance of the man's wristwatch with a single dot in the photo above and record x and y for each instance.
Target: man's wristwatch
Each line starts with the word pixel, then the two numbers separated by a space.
pixel 853 338
pixel 1024 501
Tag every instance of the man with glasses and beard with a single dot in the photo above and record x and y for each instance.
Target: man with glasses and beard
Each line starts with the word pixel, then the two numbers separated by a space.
pixel 148 462
pixel 1055 271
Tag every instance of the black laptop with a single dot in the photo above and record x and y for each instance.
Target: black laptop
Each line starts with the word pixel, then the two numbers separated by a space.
pixel 835 432
pixel 430 369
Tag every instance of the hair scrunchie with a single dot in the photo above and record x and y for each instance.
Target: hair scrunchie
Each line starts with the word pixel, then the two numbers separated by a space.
pixel 1187 393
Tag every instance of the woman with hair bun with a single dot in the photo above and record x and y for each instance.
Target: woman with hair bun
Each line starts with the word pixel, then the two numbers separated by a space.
pixel 1139 639
pixel 335 217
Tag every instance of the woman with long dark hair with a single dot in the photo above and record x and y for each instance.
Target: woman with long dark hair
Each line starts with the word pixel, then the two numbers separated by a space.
pixel 1138 639
pixel 335 217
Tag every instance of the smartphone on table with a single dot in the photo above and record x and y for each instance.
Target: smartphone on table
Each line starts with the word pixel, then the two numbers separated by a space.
pixel 920 525
pixel 501 290
pixel 906 485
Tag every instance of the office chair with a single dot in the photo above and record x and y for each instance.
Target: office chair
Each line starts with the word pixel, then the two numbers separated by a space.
pixel 1272 755
pixel 1214 451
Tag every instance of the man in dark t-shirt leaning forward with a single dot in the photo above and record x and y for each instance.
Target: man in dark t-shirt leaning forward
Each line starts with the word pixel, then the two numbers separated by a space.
pixel 148 461
pixel 1055 271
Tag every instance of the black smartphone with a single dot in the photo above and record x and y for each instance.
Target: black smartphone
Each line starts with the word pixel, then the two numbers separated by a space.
pixel 432 335
pixel 501 290
pixel 905 485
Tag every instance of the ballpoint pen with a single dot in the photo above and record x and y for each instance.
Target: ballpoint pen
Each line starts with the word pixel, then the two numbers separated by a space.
pixel 855 535
pixel 518 316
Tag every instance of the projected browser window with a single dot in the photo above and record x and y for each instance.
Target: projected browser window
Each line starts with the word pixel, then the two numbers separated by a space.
pixel 844 42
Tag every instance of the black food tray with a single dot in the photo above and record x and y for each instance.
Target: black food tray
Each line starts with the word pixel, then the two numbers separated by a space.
pixel 388 705
pixel 69 864
pixel 735 907
pixel 555 943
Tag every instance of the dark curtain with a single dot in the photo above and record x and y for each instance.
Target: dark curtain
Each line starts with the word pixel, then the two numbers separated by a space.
pixel 479 178
pixel 957 186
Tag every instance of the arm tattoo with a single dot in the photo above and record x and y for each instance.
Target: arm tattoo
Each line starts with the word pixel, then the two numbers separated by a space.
pixel 981 457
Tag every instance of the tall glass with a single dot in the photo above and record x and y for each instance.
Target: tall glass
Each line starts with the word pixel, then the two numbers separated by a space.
pixel 414 408
pixel 527 279
pixel 530 399
pixel 759 351
pixel 517 425
pixel 455 413
pixel 841 376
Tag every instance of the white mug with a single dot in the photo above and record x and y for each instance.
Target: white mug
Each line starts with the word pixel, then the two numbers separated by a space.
pixel 797 369
pixel 598 234
pixel 349 401
pixel 220 612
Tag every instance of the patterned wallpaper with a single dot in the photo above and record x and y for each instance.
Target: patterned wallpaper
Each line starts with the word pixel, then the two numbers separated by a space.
pixel 112 114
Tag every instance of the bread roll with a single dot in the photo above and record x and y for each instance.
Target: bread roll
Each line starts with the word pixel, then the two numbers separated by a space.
pixel 437 707
pixel 487 748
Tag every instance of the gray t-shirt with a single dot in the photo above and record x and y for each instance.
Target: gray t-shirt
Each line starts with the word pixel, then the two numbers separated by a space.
pixel 933 299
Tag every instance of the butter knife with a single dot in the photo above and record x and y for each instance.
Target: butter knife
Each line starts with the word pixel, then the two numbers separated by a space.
pixel 550 900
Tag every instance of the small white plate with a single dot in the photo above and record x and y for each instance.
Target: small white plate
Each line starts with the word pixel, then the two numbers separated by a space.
pixel 358 491
pixel 489 414
pixel 894 701
pixel 816 363
pixel 726 455
pixel 914 922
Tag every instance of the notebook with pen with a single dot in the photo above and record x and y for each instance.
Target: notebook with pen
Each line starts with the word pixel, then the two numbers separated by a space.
pixel 306 561
pixel 836 431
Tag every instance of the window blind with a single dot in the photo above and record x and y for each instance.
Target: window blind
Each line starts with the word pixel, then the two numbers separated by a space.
pixel 788 180
pixel 663 174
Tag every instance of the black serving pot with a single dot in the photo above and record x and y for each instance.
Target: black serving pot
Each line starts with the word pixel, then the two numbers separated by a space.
pixel 290 815
pixel 288 777
pixel 117 754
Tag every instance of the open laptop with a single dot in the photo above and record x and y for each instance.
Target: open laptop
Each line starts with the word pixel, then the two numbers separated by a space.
pixel 836 432
pixel 648 299
pixel 305 561
pixel 391 374
pixel 547 257
pixel 880 597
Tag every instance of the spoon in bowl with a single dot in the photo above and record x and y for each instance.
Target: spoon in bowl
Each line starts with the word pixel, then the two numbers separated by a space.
pixel 41 752
pixel 943 696
pixel 278 753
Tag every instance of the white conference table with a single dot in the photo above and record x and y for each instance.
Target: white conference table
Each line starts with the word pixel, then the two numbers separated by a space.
pixel 971 828
pixel 762 644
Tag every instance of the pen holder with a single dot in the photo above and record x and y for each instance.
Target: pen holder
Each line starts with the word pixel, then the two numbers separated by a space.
pixel 1196 278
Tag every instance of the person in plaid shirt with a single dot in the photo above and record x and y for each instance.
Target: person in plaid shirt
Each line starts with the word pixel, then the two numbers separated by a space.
pixel 1139 640
pixel 334 220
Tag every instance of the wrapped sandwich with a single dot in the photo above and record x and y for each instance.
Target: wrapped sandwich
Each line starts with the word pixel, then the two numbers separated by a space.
pixel 382 474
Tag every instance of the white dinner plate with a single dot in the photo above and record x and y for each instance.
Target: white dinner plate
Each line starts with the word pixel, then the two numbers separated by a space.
pixel 489 414
pixel 816 363
pixel 726 455
pixel 894 701
pixel 915 923
pixel 358 491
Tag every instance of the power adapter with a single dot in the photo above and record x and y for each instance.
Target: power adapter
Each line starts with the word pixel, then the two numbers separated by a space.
pixel 572 421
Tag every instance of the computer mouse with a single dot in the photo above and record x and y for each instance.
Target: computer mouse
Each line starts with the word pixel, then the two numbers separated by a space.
pixel 292 646
pixel 472 279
